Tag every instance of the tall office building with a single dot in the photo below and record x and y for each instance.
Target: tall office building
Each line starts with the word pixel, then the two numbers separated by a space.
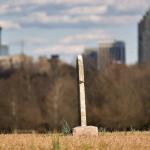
pixel 111 52
pixel 90 58
pixel 144 38
pixel 3 48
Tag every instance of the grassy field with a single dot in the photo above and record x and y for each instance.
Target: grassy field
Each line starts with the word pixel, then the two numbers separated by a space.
pixel 105 141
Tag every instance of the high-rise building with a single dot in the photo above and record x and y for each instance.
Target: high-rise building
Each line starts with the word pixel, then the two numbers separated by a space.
pixel 111 52
pixel 90 58
pixel 3 48
pixel 144 38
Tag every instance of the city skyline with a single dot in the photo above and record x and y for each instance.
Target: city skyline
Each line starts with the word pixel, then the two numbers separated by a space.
pixel 67 27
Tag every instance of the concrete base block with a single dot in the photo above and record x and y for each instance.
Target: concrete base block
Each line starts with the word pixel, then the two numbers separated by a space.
pixel 85 131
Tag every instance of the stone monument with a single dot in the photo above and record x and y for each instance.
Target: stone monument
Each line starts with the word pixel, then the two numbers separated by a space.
pixel 83 130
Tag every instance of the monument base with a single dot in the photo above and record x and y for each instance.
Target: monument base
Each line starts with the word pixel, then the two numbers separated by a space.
pixel 85 131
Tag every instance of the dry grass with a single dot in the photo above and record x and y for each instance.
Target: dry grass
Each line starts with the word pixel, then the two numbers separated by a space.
pixel 105 141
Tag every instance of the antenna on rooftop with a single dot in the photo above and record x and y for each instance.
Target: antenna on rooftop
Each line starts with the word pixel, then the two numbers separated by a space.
pixel 22 47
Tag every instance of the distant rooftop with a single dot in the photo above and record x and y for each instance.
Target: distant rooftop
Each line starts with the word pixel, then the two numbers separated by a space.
pixel 55 57
pixel 112 43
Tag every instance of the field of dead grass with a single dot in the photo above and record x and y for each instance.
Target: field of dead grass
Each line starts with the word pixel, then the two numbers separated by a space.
pixel 105 141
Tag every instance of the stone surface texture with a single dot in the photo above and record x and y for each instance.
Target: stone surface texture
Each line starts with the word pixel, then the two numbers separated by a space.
pixel 85 131
pixel 81 90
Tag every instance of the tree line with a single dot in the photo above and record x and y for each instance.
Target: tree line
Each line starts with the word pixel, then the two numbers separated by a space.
pixel 41 96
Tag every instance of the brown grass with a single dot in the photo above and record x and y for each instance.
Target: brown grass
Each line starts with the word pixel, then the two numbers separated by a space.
pixel 105 141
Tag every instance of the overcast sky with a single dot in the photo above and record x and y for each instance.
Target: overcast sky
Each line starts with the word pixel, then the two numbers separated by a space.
pixel 66 27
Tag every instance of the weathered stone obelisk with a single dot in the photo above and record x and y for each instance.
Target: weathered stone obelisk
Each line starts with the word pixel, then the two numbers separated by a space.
pixel 83 130
pixel 81 90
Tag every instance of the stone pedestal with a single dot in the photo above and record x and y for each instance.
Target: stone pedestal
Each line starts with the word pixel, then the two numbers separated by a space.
pixel 85 131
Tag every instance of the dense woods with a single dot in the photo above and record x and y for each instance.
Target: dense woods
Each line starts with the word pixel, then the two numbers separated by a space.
pixel 41 96
pixel 119 98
